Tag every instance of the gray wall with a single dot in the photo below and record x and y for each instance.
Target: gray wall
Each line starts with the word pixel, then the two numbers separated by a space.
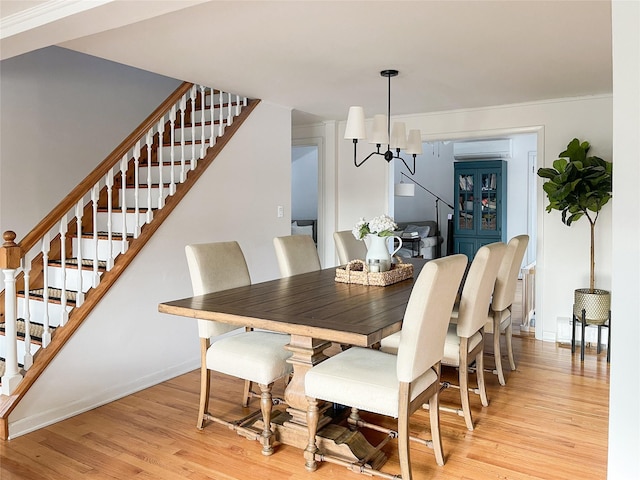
pixel 304 182
pixel 62 113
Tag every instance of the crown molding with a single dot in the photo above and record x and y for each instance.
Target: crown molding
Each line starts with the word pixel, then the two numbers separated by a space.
pixel 43 14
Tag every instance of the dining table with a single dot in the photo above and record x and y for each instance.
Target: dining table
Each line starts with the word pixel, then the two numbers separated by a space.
pixel 316 311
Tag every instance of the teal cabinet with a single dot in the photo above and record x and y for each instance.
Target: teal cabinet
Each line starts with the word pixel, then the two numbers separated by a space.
pixel 480 209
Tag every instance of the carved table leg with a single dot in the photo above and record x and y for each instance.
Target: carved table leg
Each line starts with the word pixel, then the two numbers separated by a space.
pixel 331 439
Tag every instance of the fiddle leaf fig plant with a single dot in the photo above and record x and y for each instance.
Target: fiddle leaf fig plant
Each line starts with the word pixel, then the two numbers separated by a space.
pixel 579 185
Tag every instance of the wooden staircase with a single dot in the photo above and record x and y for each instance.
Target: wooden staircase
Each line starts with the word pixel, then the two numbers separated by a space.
pixel 104 222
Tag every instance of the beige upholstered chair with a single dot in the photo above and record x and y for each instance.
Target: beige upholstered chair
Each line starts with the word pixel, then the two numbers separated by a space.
pixel 499 320
pixel 258 356
pixel 296 254
pixel 349 247
pixel 394 385
pixel 465 339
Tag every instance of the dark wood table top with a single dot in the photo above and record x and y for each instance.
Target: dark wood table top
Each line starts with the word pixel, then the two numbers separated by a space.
pixel 311 305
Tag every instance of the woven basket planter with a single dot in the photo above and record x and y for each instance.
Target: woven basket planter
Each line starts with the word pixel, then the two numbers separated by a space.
pixel 596 304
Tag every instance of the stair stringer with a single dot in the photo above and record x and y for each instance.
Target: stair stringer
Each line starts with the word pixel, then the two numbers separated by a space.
pixel 44 357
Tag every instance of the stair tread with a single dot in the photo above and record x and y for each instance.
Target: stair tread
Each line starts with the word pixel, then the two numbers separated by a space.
pixel 55 294
pixel 177 143
pixel 103 235
pixel 87 263
pixel 129 210
pixel 149 185
pixel 36 329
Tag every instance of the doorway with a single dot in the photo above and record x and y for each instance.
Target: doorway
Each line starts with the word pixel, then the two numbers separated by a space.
pixel 435 171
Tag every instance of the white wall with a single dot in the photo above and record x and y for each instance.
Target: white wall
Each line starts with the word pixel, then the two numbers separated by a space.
pixel 624 415
pixel 63 112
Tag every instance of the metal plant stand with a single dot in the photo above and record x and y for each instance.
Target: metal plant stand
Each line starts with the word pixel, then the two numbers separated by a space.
pixel 584 322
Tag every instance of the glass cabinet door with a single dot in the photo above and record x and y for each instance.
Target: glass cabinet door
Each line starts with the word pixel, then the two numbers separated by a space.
pixel 465 199
pixel 488 192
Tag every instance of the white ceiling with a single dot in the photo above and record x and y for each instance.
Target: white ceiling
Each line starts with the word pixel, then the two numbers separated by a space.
pixel 319 57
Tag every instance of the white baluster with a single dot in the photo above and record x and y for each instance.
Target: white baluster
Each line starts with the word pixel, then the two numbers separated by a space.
pixel 229 108
pixel 123 202
pixel 26 313
pixel 203 106
pixel 183 106
pixel 245 101
pixel 11 377
pixel 237 105
pixel 149 145
pixel 193 126
pixel 64 315
pixel 95 192
pixel 212 116
pixel 46 335
pixel 160 163
pixel 136 189
pixel 220 113
pixel 172 119
pixel 79 258
pixel 109 184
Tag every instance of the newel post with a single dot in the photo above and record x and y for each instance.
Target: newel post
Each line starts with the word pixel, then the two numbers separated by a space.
pixel 9 262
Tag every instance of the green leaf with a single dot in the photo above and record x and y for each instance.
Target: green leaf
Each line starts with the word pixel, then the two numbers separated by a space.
pixel 560 165
pixel 548 173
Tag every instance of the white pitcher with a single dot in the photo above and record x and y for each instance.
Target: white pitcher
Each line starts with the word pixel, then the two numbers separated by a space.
pixel 378 257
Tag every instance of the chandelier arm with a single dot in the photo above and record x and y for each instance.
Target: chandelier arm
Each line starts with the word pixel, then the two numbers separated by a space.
pixel 412 172
pixel 367 158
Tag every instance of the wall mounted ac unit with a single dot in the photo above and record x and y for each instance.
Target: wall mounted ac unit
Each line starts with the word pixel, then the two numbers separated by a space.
pixel 475 149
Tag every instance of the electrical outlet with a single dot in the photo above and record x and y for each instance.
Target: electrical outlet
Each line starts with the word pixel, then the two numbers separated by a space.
pixel 280 211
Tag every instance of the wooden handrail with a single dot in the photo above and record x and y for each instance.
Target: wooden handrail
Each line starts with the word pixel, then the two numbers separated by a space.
pixel 100 171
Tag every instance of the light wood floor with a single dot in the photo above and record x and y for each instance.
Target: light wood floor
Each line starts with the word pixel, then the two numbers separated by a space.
pixel 549 422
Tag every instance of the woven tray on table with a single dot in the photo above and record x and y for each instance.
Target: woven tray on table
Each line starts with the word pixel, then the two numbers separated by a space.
pixel 356 271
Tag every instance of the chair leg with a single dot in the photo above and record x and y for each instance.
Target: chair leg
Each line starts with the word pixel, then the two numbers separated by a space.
pixel 312 426
pixel 508 335
pixel 497 355
pixel 434 417
pixel 205 389
pixel 404 455
pixel 205 383
pixel 246 395
pixel 463 380
pixel 266 405
pixel 480 377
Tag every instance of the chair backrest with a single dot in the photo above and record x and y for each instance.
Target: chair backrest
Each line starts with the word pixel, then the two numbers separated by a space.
pixel 505 289
pixel 426 318
pixel 349 247
pixel 478 287
pixel 296 254
pixel 214 267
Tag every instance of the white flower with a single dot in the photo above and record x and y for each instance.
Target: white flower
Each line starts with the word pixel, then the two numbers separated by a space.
pixel 383 226
pixel 358 229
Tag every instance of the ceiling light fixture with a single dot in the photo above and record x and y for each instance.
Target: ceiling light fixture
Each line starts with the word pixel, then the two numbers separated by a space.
pixel 395 139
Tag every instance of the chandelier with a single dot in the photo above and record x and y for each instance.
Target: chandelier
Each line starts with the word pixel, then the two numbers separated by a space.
pixel 382 134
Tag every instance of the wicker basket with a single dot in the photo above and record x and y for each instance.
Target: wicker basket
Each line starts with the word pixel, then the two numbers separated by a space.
pixel 356 271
